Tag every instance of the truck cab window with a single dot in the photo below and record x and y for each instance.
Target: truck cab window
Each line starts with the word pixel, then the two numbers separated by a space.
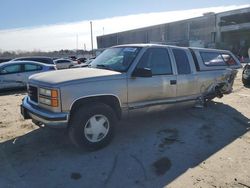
pixel 156 59
pixel 182 62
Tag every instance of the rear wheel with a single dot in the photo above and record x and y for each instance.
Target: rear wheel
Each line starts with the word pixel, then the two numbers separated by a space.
pixel 92 127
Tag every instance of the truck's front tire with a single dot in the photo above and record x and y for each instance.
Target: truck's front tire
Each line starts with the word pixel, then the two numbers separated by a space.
pixel 245 82
pixel 92 126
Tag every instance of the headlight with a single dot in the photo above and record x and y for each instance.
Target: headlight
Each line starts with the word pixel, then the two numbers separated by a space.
pixel 45 92
pixel 48 97
pixel 48 92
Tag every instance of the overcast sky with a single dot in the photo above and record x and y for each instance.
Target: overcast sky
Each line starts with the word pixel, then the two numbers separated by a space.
pixel 47 31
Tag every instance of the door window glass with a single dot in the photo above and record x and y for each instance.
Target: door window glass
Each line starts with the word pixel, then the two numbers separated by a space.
pixel 32 67
pixel 11 69
pixel 156 59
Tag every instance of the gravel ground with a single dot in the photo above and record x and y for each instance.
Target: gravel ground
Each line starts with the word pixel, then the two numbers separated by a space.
pixel 182 148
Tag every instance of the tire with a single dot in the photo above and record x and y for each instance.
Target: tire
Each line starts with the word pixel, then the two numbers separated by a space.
pixel 245 82
pixel 92 126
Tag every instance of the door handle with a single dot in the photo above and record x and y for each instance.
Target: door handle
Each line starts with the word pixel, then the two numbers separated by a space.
pixel 173 82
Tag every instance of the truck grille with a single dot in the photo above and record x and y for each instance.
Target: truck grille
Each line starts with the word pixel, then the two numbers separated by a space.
pixel 32 92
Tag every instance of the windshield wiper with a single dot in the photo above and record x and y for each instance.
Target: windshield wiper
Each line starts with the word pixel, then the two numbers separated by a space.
pixel 103 66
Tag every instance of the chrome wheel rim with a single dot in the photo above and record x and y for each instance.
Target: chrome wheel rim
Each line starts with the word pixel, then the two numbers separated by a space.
pixel 96 128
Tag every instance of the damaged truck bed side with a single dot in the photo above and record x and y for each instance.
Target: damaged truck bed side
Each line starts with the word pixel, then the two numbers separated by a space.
pixel 88 101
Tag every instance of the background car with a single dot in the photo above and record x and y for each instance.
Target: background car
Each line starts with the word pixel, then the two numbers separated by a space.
pixel 82 60
pixel 246 74
pixel 2 60
pixel 79 66
pixel 73 58
pixel 15 74
pixel 41 59
pixel 86 64
pixel 65 63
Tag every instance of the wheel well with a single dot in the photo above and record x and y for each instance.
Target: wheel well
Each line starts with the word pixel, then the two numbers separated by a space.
pixel 110 100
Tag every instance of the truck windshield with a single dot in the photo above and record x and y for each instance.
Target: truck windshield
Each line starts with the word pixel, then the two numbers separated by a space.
pixel 117 59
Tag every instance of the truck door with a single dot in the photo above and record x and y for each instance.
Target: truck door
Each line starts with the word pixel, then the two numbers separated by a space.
pixel 160 88
pixel 186 75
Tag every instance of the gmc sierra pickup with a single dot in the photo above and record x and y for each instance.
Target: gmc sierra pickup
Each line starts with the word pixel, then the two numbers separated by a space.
pixel 89 101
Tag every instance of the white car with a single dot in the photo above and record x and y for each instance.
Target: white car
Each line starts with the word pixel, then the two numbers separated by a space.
pixel 64 63
pixel 15 74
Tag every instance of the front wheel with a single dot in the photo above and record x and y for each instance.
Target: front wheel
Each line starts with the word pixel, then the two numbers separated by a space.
pixel 92 126
pixel 245 82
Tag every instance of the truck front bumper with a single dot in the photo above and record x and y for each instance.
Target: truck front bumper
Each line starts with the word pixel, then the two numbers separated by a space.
pixel 43 117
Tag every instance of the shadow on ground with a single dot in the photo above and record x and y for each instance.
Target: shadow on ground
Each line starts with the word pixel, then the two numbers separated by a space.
pixel 148 151
pixel 19 91
pixel 247 86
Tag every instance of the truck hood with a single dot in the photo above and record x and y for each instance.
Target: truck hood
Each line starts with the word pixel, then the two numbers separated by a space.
pixel 71 75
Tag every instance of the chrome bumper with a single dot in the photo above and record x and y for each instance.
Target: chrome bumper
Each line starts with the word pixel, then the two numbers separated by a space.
pixel 43 117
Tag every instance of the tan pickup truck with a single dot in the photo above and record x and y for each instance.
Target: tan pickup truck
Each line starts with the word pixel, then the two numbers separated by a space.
pixel 89 101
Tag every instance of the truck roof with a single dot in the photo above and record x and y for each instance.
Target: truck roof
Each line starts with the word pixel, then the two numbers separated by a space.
pixel 164 45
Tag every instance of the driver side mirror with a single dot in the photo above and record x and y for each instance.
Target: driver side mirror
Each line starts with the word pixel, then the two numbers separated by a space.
pixel 142 72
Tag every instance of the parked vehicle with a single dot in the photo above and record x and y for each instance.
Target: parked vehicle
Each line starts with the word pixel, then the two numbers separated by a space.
pixel 15 74
pixel 82 60
pixel 122 80
pixel 73 58
pixel 65 63
pixel 246 74
pixel 86 64
pixel 82 65
pixel 2 60
pixel 46 60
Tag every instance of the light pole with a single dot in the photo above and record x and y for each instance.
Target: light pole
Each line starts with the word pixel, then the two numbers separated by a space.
pixel 91 36
pixel 76 44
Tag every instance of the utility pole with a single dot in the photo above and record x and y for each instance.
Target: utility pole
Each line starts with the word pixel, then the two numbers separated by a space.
pixel 91 36
pixel 76 44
